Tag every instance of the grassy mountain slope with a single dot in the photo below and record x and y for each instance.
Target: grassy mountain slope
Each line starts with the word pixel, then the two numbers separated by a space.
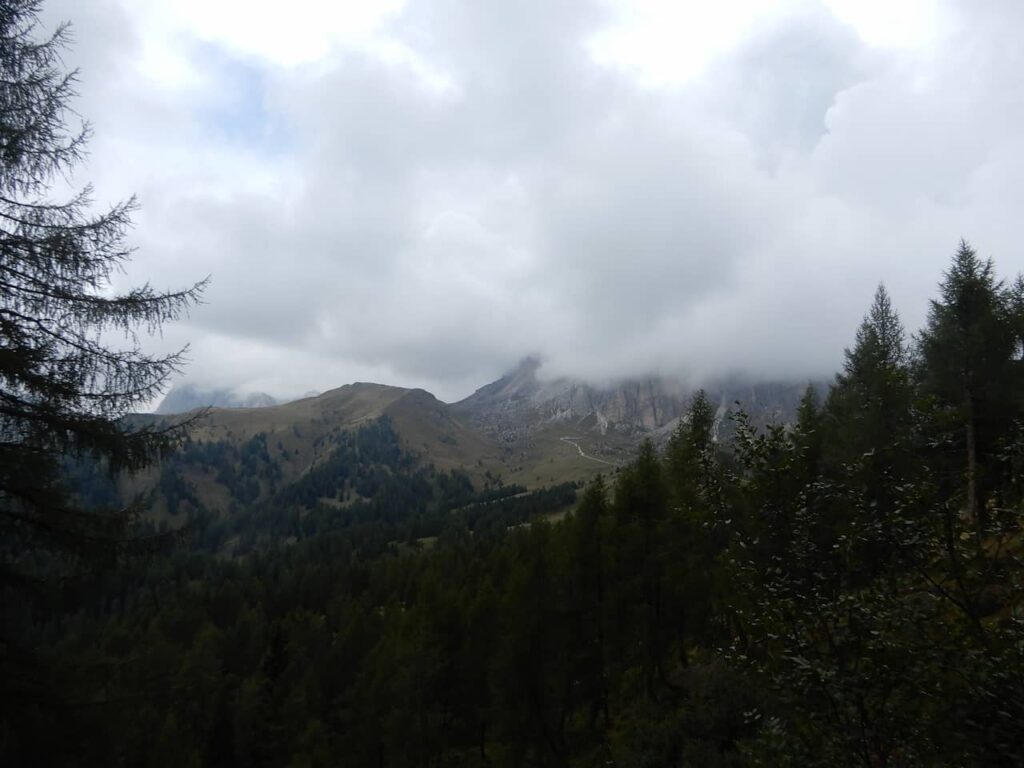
pixel 518 430
pixel 240 457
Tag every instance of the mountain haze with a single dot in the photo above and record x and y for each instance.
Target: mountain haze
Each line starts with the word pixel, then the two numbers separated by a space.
pixel 522 403
pixel 188 397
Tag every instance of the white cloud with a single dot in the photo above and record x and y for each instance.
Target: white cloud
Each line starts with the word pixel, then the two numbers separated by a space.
pixel 424 193
pixel 903 24
pixel 298 32
pixel 666 43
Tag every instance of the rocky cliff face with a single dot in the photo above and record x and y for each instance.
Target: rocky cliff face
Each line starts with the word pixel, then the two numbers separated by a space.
pixel 522 402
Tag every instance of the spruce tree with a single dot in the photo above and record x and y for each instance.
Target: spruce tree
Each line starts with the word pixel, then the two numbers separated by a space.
pixel 970 367
pixel 689 450
pixel 868 437
pixel 868 411
pixel 807 433
pixel 874 385
pixel 64 387
pixel 588 600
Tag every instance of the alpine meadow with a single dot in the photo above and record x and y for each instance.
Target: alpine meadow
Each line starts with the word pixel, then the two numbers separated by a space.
pixel 672 506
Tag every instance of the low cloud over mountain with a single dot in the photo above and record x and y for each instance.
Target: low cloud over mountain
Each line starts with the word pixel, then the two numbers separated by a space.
pixel 424 193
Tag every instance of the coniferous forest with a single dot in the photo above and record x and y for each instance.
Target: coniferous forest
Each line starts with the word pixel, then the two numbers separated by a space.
pixel 843 590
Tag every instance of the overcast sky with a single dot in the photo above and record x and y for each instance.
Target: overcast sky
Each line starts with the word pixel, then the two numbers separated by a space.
pixel 422 193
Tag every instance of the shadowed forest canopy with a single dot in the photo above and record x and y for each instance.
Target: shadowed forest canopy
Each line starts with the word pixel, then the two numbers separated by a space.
pixel 842 590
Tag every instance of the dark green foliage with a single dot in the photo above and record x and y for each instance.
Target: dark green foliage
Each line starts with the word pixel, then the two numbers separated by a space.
pixel 971 371
pixel 63 387
pixel 809 594
pixel 690 450
pixel 366 488
pixel 870 440
pixel 175 490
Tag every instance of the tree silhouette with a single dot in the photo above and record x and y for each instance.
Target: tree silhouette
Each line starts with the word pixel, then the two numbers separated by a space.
pixel 64 386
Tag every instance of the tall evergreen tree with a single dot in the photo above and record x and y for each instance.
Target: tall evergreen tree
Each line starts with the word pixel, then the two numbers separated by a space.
pixel 689 450
pixel 867 422
pixel 807 433
pixel 872 394
pixel 970 366
pixel 689 533
pixel 588 598
pixel 880 342
pixel 63 387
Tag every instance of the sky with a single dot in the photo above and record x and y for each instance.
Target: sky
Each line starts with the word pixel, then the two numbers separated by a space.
pixel 423 193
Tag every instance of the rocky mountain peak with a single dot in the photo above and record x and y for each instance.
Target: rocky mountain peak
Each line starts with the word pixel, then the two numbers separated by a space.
pixel 523 401
pixel 187 397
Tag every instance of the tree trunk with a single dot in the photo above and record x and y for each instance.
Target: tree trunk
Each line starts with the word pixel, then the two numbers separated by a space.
pixel 973 511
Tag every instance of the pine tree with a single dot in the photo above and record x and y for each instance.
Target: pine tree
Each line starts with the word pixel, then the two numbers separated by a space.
pixel 867 415
pixel 588 598
pixel 970 366
pixel 867 425
pixel 63 387
pixel 807 432
pixel 880 342
pixel 688 450
pixel 874 386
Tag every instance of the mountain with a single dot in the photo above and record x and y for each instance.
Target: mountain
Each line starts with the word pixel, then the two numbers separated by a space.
pixel 238 458
pixel 521 400
pixel 188 397
pixel 300 432
pixel 521 404
pixel 377 464
pixel 521 431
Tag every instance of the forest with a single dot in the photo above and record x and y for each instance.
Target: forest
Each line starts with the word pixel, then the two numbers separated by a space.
pixel 843 590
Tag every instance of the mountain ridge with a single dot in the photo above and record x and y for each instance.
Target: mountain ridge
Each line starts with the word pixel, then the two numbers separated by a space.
pixel 521 401
pixel 520 429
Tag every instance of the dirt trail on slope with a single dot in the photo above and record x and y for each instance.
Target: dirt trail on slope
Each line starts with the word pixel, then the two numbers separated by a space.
pixel 572 441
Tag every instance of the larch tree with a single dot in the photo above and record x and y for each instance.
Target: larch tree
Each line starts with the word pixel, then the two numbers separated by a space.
pixel 64 386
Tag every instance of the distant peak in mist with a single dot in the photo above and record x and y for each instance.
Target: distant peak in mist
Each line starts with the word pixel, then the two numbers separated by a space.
pixel 187 397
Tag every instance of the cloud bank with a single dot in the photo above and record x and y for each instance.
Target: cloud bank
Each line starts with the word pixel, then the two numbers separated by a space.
pixel 424 193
